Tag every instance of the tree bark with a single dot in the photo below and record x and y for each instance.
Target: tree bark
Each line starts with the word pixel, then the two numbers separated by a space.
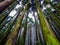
pixel 4 4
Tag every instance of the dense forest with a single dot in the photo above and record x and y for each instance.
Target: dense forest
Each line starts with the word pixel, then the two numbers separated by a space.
pixel 29 22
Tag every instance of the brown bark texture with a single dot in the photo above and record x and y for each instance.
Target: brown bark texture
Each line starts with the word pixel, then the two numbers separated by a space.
pixel 4 4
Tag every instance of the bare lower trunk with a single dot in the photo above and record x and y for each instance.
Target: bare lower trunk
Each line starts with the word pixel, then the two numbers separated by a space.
pixel 4 4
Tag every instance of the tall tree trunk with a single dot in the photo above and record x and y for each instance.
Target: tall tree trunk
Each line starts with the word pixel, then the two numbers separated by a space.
pixel 47 31
pixel 5 4
pixel 15 31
